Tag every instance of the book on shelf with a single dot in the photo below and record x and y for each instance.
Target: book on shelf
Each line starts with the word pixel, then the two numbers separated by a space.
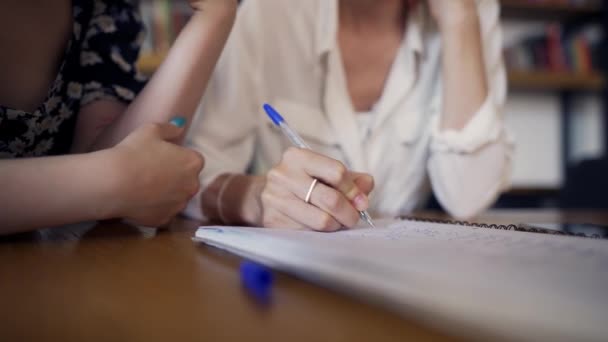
pixel 163 20
pixel 555 50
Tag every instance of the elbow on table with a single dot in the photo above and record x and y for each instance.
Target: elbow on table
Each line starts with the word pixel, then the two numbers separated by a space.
pixel 466 209
pixel 464 189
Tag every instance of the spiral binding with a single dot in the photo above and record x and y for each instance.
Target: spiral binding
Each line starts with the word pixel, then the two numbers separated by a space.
pixel 512 227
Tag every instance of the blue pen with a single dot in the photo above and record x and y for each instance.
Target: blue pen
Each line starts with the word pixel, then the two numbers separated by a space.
pixel 299 142
pixel 257 280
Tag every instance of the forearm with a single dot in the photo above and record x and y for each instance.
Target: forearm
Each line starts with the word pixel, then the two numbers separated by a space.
pixel 52 191
pixel 178 85
pixel 464 74
pixel 234 199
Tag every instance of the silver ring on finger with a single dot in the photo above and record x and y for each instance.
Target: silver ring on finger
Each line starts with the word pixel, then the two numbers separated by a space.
pixel 310 189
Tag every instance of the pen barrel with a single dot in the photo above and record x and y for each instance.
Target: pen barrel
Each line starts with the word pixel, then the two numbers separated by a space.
pixel 293 136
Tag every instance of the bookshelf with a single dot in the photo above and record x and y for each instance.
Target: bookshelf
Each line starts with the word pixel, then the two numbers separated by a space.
pixel 567 85
pixel 163 20
pixel 553 10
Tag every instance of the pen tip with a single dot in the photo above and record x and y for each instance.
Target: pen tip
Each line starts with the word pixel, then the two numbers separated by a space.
pixel 365 216
pixel 273 114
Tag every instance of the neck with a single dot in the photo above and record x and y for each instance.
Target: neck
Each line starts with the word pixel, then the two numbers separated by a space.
pixel 377 14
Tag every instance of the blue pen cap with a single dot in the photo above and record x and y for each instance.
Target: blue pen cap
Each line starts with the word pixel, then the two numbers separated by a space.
pixel 257 280
pixel 273 114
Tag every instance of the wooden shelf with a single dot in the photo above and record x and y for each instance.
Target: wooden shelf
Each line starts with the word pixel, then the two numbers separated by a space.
pixel 148 63
pixel 518 80
pixel 552 81
pixel 550 10
pixel 534 191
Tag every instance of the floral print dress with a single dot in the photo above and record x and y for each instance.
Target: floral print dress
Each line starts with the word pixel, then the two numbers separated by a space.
pixel 98 63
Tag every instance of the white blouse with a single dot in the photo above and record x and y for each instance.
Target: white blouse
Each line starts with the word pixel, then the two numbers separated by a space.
pixel 285 52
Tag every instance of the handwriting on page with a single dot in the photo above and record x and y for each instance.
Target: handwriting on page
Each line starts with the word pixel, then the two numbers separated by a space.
pixel 482 240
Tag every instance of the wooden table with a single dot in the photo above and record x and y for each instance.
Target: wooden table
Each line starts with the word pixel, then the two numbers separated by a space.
pixel 114 282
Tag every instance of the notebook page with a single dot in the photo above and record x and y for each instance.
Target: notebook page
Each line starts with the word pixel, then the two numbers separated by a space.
pixel 506 283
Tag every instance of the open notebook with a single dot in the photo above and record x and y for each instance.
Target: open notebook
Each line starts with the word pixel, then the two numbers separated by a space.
pixel 473 282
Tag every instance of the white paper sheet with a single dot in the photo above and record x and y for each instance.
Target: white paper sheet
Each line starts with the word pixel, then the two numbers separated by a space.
pixel 475 282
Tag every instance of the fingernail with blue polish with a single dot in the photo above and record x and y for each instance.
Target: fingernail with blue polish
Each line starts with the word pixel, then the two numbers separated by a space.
pixel 178 121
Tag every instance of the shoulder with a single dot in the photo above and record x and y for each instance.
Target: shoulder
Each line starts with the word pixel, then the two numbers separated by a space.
pixel 275 15
pixel 289 8
pixel 270 27
pixel 110 16
pixel 109 51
